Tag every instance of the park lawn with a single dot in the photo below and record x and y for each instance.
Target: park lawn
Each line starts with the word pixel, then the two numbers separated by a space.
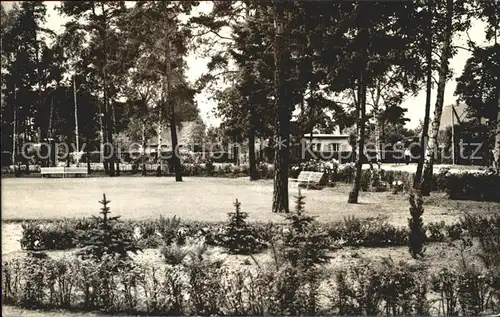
pixel 206 199
pixel 11 311
pixel 209 199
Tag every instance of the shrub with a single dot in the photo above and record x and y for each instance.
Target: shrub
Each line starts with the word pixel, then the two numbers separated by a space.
pixel 454 231
pixel 358 290
pixel 473 291
pixel 404 289
pixel 238 237
pixel 201 286
pixel 436 231
pixel 304 244
pixel 444 283
pixel 416 235
pixel 265 170
pixel 365 180
pixel 174 254
pixel 107 238
pixel 57 235
pixel 370 232
pixel 488 232
pixel 472 186
pixel 204 277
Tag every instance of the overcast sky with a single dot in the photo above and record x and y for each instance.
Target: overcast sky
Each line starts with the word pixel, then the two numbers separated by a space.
pixel 197 66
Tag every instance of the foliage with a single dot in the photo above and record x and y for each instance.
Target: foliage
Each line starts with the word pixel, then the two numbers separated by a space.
pixel 163 232
pixel 416 235
pixel 370 289
pixel 304 245
pixel 107 238
pixel 174 254
pixel 238 237
pixel 370 232
pixel 487 230
pixel 203 287
pixel 477 87
pixel 58 235
pixel 473 186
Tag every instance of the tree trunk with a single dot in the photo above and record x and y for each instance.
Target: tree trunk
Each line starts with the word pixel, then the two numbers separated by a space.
pixel 496 147
pixel 361 120
pixel 175 157
pixel 102 122
pixel 425 128
pixel 261 149
pixel 143 149
pixel 281 153
pixel 378 145
pixel 87 147
pixel 68 157
pixel 158 147
pixel 173 127
pixel 76 121
pixel 378 124
pixel 252 162
pixel 49 131
pixel 496 152
pixel 102 139
pixel 14 129
pixel 438 108
pixel 107 117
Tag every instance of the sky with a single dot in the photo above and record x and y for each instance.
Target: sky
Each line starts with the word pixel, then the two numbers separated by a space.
pixel 197 65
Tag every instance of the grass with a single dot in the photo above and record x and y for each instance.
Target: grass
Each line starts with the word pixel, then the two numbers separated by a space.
pixel 10 311
pixel 203 199
pixel 210 199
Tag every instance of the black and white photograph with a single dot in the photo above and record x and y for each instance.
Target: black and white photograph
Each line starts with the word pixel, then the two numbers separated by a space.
pixel 250 158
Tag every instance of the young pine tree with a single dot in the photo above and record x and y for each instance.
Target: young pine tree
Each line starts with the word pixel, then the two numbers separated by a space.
pixel 304 245
pixel 239 237
pixel 416 235
pixel 107 238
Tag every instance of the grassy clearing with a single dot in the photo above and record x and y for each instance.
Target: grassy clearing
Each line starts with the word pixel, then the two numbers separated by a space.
pixel 205 199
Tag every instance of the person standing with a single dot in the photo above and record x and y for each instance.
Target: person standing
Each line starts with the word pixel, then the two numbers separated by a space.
pixel 407 156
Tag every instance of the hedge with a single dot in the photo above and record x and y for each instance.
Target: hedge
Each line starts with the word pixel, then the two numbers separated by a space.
pixel 203 287
pixel 352 231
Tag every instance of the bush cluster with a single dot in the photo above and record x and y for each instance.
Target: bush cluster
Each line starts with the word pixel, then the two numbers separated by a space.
pixel 352 231
pixel 203 287
pixel 473 186
pixel 477 186
pixel 369 232
pixel 226 169
pixel 237 236
pixel 107 238
pixel 57 235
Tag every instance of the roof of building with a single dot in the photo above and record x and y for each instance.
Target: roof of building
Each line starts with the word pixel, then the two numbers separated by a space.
pixel 461 116
pixel 326 136
pixel 446 116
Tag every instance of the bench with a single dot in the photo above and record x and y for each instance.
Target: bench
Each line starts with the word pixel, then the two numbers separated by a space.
pixel 314 179
pixel 63 171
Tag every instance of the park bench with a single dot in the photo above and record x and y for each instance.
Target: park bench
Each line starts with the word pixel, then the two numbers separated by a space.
pixel 63 171
pixel 314 179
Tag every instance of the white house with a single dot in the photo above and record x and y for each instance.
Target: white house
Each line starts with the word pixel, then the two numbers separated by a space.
pixel 331 142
